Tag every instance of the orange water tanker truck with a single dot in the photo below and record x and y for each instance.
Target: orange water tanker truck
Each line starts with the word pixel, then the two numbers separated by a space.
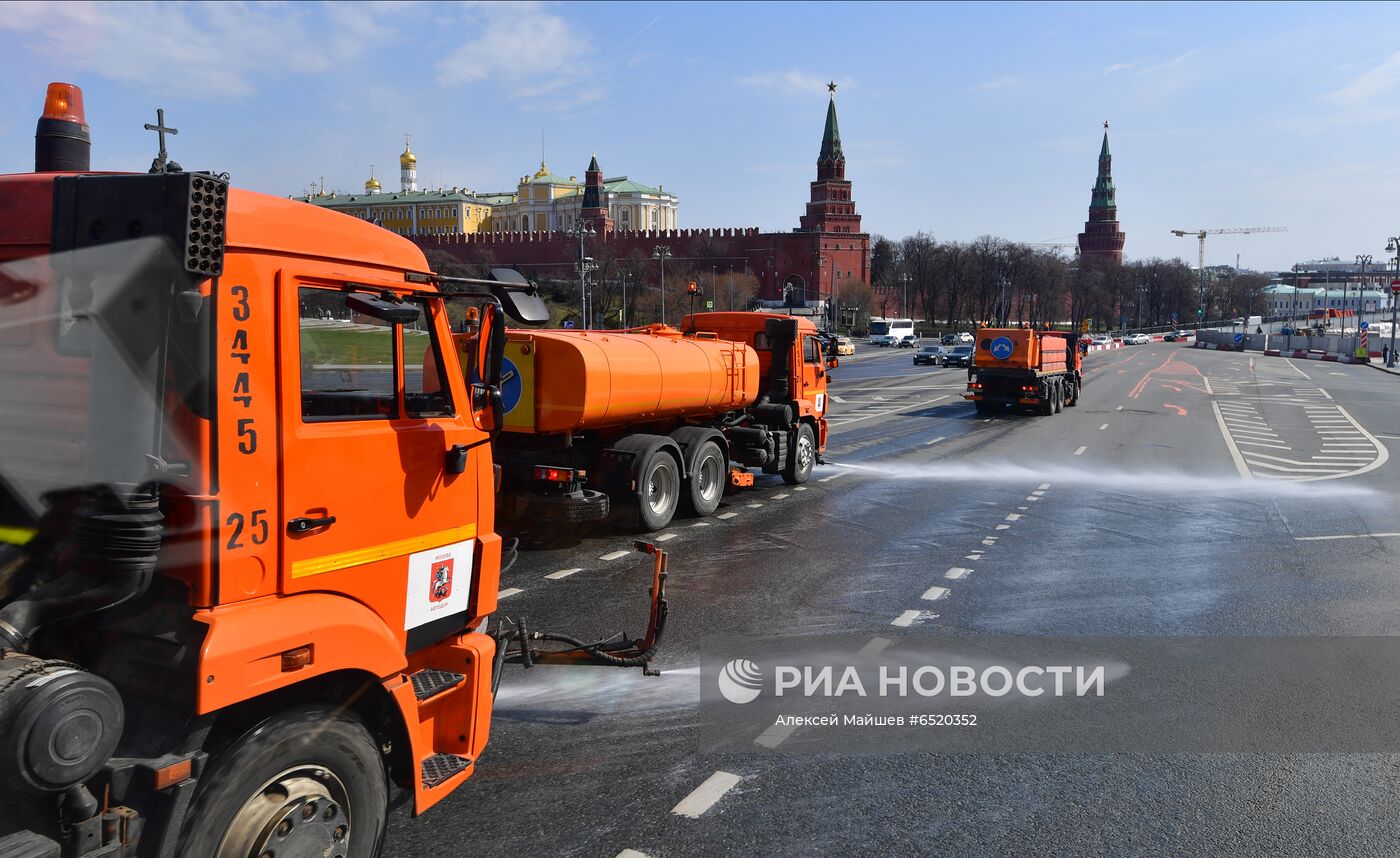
pixel 657 419
pixel 1024 368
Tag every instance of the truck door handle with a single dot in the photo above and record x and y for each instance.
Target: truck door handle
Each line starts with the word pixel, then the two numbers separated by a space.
pixel 302 525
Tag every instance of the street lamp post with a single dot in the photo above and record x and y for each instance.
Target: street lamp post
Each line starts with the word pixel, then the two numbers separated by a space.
pixel 1363 260
pixel 661 254
pixel 904 280
pixel 581 229
pixel 1393 245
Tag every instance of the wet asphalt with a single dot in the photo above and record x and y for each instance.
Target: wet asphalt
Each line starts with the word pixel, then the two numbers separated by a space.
pixel 1140 512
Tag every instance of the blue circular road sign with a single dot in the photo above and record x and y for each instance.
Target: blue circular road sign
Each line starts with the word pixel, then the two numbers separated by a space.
pixel 1002 348
pixel 511 385
pixel 1239 338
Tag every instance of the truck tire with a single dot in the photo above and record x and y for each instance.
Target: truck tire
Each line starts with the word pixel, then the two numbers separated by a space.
pixel 307 781
pixel 983 407
pixel 1057 395
pixel 1047 405
pixel 1071 394
pixel 802 457
pixel 658 490
pixel 704 488
pixel 586 505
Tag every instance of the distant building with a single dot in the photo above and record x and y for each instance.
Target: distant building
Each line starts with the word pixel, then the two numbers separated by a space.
pixel 1101 238
pixel 1329 284
pixel 545 202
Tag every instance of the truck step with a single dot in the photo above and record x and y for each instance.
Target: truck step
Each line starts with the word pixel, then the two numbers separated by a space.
pixel 440 767
pixel 428 683
pixel 28 844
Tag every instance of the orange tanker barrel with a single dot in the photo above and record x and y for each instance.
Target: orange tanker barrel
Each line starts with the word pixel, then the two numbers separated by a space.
pixel 596 379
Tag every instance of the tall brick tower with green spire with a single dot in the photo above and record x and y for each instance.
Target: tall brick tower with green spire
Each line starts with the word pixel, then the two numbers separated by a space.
pixel 1101 238
pixel 831 208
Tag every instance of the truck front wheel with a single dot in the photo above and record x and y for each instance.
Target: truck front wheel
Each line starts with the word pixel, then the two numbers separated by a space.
pixel 801 458
pixel 705 487
pixel 658 490
pixel 308 781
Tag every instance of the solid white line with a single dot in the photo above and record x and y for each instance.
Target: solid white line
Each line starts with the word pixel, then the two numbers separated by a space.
pixel 613 555
pixel 1347 536
pixel 1230 444
pixel 1265 446
pixel 956 572
pixel 934 441
pixel 933 594
pixel 905 620
pixel 1342 458
pixel 1319 469
pixel 564 573
pixel 725 516
pixel 1299 371
pixel 704 796
pixel 1080 451
pixel 1235 430
pixel 509 591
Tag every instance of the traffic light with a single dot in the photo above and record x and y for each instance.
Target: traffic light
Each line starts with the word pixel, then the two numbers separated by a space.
pixel 1200 312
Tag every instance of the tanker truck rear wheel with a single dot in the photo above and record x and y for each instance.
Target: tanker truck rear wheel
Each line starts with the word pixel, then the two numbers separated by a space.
pixel 306 782
pixel 801 458
pixel 708 474
pixel 658 490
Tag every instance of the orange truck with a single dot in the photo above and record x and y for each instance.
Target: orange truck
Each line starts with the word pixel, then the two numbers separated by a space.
pixel 650 419
pixel 247 515
pixel 1024 368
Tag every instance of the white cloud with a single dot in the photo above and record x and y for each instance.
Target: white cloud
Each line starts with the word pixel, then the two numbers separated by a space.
pixel 531 50
pixel 1003 82
pixel 786 82
pixel 214 49
pixel 1372 86
pixel 1117 67
pixel 1171 63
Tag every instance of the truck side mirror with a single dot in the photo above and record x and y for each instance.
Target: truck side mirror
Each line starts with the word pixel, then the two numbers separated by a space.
pixel 488 409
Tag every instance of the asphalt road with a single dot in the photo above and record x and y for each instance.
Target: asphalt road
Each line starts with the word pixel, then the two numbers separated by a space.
pixel 1183 496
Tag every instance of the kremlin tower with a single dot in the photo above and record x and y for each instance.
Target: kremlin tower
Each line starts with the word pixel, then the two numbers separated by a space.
pixel 1101 238
pixel 408 168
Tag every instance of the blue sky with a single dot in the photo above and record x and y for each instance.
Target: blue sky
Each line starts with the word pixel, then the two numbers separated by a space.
pixel 957 119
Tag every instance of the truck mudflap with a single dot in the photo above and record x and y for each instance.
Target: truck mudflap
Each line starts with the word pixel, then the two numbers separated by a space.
pixel 515 639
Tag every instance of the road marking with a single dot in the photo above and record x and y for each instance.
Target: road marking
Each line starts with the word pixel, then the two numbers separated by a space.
pixel 799 488
pixel 725 516
pixel 972 557
pixel 1230 444
pixel 1024 508
pixel 1299 371
pixel 1013 517
pixel 1119 408
pixel 613 555
pixel 664 537
pixel 1103 427
pixel 1347 536
pixel 882 413
pixel 1003 527
pixel 701 524
pixel 957 572
pixel 704 796
pixel 832 477
pixel 754 505
pixel 779 497
pixel 991 540
pixel 1030 498
pixel 507 592
pixel 1038 492
pixel 632 853
pixel 879 399
pixel 1042 487
pixel 1316 469
pixel 933 594
pixel 874 647
pixel 934 441
pixel 1262 444
pixel 835 398
pixel 906 619
pixel 564 573
pixel 1080 451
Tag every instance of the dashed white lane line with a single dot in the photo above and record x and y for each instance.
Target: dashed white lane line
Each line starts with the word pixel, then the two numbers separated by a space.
pixel 613 555
pixel 509 591
pixel 906 619
pixel 664 537
pixel 704 796
pixel 754 505
pixel 874 647
pixel 973 557
pixel 799 488
pixel 832 477
pixel 935 440
pixel 725 516
pixel 779 497
pixel 632 853
pixel 1080 451
pixel 1042 487
pixel 957 572
pixel 564 573
pixel 933 594
pixel 1003 527
pixel 1119 408
pixel 1103 427
pixel 701 524
pixel 1013 517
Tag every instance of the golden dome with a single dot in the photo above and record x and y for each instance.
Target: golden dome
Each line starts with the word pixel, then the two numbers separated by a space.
pixel 542 171
pixel 407 159
pixel 373 184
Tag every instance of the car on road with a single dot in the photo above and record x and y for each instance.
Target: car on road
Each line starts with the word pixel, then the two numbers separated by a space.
pixel 1102 340
pixel 949 340
pixel 965 338
pixel 909 341
pixel 1136 340
pixel 929 356
pixel 1176 336
pixel 958 356
pixel 845 346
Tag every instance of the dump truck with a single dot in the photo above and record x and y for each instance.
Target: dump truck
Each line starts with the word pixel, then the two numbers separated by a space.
pixel 652 420
pixel 248 553
pixel 1024 368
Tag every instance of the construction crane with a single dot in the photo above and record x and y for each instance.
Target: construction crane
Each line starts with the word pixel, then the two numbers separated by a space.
pixel 1234 230
pixel 1056 245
